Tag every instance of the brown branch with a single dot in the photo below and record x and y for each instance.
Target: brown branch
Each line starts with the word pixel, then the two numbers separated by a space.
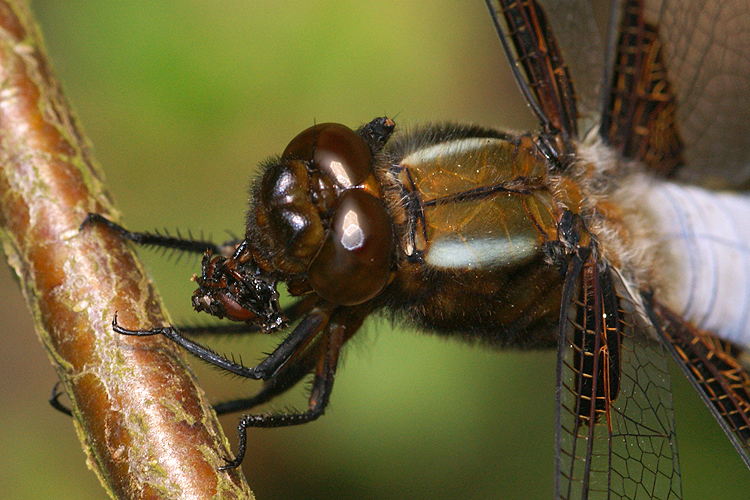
pixel 145 426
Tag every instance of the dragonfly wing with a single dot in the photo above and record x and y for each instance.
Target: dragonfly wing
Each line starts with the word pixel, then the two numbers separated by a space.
pixel 537 63
pixel 640 113
pixel 680 77
pixel 615 433
pixel 707 48
pixel 578 32
pixel 712 365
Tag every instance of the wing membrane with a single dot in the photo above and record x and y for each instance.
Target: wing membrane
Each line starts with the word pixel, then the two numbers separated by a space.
pixel 640 117
pixel 616 436
pixel 545 81
pixel 705 63
pixel 707 46
pixel 712 366
pixel 577 28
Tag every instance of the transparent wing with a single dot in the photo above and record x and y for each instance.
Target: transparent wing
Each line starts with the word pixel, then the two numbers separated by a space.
pixel 712 366
pixel 615 433
pixel 707 48
pixel 683 77
pixel 537 63
pixel 578 31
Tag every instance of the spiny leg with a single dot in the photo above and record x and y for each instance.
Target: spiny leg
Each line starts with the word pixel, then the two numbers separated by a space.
pixel 335 331
pixel 280 383
pixel 310 326
pixel 297 368
pixel 155 240
pixel 319 397
pixel 344 322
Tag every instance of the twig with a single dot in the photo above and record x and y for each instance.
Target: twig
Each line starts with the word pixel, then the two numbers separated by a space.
pixel 147 429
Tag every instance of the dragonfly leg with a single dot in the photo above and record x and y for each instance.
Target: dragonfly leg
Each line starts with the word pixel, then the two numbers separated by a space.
pixel 156 240
pixel 333 338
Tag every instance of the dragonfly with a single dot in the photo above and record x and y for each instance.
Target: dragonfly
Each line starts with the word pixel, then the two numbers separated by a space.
pixel 609 234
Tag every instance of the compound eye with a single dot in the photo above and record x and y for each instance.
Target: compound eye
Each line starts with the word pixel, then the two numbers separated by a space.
pixel 353 265
pixel 335 150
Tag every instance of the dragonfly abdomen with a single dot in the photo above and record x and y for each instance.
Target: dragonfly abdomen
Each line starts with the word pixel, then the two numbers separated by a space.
pixel 705 237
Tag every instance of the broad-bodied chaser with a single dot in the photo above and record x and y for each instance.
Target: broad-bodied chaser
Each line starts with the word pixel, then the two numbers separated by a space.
pixel 596 235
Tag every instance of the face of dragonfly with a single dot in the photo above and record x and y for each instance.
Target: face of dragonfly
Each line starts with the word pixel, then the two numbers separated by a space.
pixel 573 238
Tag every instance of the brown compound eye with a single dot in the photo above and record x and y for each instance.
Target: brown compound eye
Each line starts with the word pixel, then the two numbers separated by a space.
pixel 287 217
pixel 334 149
pixel 353 265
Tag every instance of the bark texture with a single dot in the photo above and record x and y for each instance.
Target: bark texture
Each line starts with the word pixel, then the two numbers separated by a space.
pixel 146 428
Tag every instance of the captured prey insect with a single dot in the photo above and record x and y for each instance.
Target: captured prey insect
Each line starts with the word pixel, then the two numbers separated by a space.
pixel 586 237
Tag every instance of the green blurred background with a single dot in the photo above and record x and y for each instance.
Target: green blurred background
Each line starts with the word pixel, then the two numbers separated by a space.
pixel 181 100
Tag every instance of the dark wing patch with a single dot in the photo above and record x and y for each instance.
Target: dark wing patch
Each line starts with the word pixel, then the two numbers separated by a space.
pixel 578 27
pixel 640 117
pixel 703 66
pixel 545 82
pixel 712 366
pixel 615 434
